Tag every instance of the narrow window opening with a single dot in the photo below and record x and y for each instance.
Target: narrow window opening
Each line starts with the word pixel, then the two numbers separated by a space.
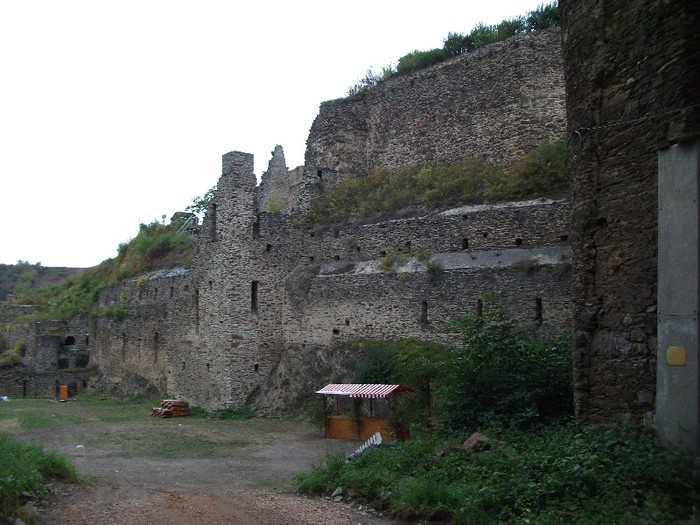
pixel 563 238
pixel 484 234
pixel 254 297
pixel 347 322
pixel 337 257
pixel 479 308
pixel 155 347
pixel 212 223
pixel 87 340
pixel 70 340
pixel 183 365
pixel 268 247
pixel 172 292
pixel 518 241
pixel 155 293
pixel 256 367
pixel 336 331
pixel 187 287
pixel 424 313
pixel 383 253
pixel 538 311
pixel 465 243
pixel 256 228
pixel 319 173
pixel 407 246
pixel 211 284
pixel 358 249
pixel 311 258
pixel 208 368
pixel 196 311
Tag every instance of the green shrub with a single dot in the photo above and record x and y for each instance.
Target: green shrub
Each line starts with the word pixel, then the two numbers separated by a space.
pixel 542 171
pixel 555 474
pixel 505 375
pixel 28 468
pixel 420 60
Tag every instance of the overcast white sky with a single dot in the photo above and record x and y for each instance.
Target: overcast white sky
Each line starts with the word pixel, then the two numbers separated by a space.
pixel 114 113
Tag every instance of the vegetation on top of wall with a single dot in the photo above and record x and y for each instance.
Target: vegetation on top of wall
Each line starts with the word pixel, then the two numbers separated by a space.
pixel 540 173
pixel 544 17
pixel 156 246
pixel 23 276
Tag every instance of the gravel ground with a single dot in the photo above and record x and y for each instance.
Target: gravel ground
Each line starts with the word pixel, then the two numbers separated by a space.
pixel 190 471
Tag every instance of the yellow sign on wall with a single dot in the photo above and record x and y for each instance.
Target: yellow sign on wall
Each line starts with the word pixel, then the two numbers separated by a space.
pixel 675 356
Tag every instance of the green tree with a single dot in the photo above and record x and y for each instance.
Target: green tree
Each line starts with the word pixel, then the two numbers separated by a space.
pixel 457 43
pixel 544 17
pixel 200 204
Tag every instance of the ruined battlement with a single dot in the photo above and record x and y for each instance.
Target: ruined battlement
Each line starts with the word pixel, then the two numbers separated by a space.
pixel 265 312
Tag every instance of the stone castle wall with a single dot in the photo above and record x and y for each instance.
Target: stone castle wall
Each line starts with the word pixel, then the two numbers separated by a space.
pixel 632 81
pixel 265 291
pixel 263 313
pixel 494 103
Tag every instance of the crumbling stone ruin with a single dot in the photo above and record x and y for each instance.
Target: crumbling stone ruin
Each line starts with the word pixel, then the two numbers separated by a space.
pixel 266 314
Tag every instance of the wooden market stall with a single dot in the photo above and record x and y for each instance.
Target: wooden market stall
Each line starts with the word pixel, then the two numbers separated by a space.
pixel 364 426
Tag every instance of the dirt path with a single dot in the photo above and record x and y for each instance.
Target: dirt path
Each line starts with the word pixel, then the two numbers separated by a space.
pixel 189 471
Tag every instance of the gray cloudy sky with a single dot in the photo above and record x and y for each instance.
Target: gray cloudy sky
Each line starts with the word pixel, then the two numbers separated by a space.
pixel 114 113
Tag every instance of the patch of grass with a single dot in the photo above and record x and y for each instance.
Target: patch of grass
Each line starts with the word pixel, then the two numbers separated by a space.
pixel 28 468
pixel 240 414
pixel 88 407
pixel 382 193
pixel 555 474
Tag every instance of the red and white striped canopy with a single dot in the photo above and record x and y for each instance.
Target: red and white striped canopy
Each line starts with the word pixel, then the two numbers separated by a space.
pixel 362 390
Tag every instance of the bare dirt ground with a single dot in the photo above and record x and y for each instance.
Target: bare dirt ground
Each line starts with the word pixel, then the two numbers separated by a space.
pixel 188 471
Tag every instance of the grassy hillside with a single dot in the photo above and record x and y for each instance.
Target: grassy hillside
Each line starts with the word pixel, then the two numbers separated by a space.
pixel 23 276
pixel 155 247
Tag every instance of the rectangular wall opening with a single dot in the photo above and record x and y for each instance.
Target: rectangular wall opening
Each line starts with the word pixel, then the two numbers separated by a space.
pixel 254 297
pixel 212 223
pixel 538 311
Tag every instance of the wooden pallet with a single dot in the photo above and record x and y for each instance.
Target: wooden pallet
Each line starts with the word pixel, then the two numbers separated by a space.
pixel 171 408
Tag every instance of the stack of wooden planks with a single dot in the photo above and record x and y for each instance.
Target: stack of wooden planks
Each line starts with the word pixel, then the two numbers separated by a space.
pixel 171 408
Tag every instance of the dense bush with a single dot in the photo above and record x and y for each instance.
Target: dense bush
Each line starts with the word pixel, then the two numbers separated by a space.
pixel 420 60
pixel 557 474
pixel 504 374
pixel 540 173
pixel 28 468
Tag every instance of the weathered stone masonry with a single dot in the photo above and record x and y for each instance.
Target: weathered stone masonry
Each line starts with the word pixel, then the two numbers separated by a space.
pixel 262 314
pixel 494 104
pixel 267 300
pixel 632 80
